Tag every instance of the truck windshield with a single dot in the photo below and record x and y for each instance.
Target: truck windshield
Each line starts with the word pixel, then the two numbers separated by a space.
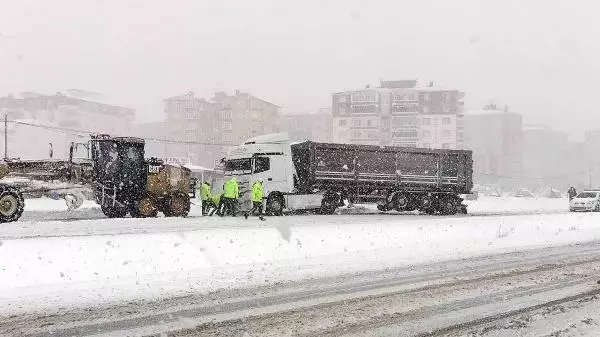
pixel 238 166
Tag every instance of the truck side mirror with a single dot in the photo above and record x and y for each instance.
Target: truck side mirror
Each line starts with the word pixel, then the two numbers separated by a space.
pixel 71 150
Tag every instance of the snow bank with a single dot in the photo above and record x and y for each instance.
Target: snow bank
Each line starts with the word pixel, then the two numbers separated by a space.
pixel 507 205
pixel 52 273
pixel 46 204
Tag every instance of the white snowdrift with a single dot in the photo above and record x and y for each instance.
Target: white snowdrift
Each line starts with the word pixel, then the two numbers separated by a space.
pixel 54 273
pixel 47 204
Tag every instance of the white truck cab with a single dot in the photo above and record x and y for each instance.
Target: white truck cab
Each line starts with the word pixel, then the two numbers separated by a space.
pixel 268 158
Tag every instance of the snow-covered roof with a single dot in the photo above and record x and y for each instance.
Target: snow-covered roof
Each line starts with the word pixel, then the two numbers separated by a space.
pixel 198 168
pixel 435 88
pixel 536 128
pixel 270 138
pixel 485 112
pixel 376 89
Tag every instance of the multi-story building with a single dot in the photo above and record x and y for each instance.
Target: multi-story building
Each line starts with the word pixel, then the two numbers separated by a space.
pixel 244 116
pixel 495 137
pixel 361 116
pixel 64 117
pixel 192 128
pixel 308 126
pixel 399 113
pixel 205 129
pixel 73 109
pixel 441 119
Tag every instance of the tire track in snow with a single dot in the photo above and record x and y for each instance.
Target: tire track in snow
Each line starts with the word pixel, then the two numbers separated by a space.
pixel 307 294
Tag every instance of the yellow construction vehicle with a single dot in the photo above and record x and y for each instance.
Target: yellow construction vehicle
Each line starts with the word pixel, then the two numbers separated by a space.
pixel 122 180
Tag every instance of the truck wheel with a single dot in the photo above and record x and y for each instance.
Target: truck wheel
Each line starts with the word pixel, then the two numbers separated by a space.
pixel 329 203
pixel 114 212
pixel 400 202
pixel 429 205
pixel 275 204
pixel 12 204
pixel 145 208
pixel 179 205
pixel 448 206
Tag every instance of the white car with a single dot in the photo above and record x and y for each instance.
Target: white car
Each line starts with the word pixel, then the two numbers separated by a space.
pixel 586 201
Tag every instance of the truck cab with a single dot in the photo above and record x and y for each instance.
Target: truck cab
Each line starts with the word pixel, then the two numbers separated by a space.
pixel 267 158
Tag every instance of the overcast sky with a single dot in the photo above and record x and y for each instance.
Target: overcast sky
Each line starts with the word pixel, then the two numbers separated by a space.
pixel 541 57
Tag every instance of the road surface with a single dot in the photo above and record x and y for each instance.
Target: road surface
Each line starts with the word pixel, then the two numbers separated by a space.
pixel 546 289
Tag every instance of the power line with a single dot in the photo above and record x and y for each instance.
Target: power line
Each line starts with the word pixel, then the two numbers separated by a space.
pixel 80 131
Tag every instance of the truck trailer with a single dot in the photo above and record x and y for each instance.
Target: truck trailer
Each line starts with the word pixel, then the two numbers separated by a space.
pixel 323 176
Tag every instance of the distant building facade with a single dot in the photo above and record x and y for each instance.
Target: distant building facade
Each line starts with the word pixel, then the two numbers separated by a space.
pixel 496 139
pixel 205 130
pixel 309 126
pixel 399 113
pixel 71 114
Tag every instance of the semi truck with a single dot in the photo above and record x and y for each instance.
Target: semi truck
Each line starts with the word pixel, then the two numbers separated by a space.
pixel 324 176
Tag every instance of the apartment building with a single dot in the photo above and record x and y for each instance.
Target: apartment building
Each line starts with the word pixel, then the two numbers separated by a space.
pixel 59 119
pixel 361 116
pixel 244 116
pixel 495 136
pixel 438 132
pixel 315 126
pixel 73 109
pixel 206 129
pixel 399 113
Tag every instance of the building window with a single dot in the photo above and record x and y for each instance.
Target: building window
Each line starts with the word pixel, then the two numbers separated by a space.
pixel 356 122
pixel 372 135
pixel 426 134
pixel 343 122
pixel 342 99
pixel 446 120
pixel 460 136
pixel 227 125
pixel 342 110
pixel 226 137
pixel 364 97
pixel 226 114
pixel 445 146
pixel 426 121
pixel 355 134
pixel 404 134
pixel 446 133
pixel 372 123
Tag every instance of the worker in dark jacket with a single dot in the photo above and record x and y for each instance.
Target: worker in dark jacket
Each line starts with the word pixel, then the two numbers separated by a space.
pixel 230 195
pixel 572 193
pixel 205 197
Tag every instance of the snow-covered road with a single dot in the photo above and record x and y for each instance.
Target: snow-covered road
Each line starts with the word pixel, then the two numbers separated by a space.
pixel 459 295
pixel 49 218
pixel 64 263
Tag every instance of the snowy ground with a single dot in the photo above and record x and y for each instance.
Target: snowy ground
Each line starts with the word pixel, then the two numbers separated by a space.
pixel 110 260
